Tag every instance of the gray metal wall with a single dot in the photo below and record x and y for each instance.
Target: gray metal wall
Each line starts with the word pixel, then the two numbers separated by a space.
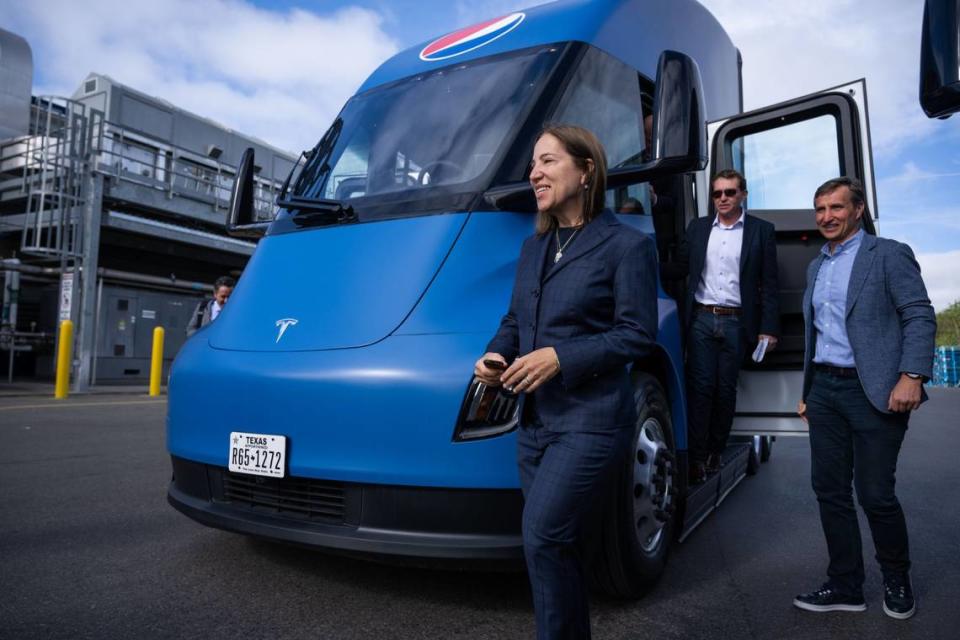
pixel 133 110
pixel 126 323
pixel 16 85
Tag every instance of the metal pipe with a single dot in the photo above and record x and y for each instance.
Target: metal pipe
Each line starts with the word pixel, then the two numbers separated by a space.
pixel 113 274
pixel 96 335
pixel 171 282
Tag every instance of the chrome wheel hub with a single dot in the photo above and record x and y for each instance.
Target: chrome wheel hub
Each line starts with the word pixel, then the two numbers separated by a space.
pixel 653 484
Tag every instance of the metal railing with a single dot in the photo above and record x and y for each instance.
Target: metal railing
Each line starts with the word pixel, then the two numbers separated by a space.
pixel 48 169
pixel 52 168
pixel 177 171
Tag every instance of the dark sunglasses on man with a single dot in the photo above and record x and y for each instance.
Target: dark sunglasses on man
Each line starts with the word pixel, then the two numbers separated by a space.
pixel 724 192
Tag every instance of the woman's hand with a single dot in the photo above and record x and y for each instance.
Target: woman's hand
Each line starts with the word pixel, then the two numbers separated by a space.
pixel 487 375
pixel 527 373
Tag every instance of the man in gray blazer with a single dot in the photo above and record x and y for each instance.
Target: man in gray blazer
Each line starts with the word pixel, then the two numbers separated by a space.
pixel 870 331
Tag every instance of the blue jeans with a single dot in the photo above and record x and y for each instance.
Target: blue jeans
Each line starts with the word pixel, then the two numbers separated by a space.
pixel 852 442
pixel 715 349
pixel 563 475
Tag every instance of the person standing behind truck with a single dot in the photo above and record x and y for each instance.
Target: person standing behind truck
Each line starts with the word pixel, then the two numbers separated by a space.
pixel 870 331
pixel 209 308
pixel 584 306
pixel 730 261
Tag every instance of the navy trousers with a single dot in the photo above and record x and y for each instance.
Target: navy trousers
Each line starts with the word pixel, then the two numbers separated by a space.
pixel 563 475
pixel 715 348
pixel 850 441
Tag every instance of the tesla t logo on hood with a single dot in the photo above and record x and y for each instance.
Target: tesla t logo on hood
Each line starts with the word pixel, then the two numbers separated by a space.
pixel 283 323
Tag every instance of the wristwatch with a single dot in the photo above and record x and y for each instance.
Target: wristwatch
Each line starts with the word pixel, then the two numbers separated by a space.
pixel 913 376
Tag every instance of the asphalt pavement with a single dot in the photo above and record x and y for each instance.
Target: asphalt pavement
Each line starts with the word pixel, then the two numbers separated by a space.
pixel 89 548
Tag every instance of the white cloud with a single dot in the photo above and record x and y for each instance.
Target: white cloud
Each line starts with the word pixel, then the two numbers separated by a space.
pixel 919 206
pixel 940 275
pixel 281 76
pixel 912 174
pixel 794 48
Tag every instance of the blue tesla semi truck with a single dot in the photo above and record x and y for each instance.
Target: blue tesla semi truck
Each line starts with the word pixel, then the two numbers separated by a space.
pixel 333 405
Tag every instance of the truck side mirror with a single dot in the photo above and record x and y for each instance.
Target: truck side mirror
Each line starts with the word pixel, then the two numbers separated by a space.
pixel 679 118
pixel 240 221
pixel 940 58
pixel 679 140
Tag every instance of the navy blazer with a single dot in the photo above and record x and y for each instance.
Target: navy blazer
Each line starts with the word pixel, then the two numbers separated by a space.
pixel 598 308
pixel 759 289
pixel 890 322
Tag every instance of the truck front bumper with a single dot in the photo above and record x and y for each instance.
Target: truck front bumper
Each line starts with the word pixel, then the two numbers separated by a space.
pixel 395 521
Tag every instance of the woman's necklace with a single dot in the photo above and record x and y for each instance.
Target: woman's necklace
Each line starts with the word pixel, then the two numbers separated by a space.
pixel 560 248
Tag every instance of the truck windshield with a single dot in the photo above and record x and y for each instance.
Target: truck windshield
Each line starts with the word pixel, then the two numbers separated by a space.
pixel 426 143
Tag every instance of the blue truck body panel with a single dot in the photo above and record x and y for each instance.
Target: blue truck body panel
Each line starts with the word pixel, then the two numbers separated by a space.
pixel 358 401
pixel 347 286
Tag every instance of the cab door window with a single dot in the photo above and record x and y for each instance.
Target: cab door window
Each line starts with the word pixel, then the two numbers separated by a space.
pixel 782 164
pixel 604 96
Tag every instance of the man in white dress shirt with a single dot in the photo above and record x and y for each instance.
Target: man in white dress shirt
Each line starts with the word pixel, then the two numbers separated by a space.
pixel 730 261
pixel 208 309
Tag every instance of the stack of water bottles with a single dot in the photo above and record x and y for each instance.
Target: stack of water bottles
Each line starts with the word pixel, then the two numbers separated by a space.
pixel 946 367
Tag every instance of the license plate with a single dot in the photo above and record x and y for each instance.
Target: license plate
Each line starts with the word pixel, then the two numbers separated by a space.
pixel 258 454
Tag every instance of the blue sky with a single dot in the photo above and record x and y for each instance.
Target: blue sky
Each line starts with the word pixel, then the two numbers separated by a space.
pixel 281 69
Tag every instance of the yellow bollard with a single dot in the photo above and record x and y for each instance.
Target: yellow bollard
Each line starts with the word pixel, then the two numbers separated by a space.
pixel 156 361
pixel 63 360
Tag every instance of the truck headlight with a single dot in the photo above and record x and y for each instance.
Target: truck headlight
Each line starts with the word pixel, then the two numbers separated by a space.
pixel 485 412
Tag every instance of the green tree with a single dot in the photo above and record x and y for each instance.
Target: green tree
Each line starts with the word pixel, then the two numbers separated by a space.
pixel 948 326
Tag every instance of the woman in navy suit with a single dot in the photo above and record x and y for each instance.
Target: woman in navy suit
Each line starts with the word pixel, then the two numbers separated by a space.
pixel 584 307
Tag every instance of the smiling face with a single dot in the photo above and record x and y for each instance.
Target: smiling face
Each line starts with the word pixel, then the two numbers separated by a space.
pixel 557 180
pixel 838 218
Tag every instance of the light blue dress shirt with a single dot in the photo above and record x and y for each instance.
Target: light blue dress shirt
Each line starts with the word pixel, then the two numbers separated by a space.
pixel 720 281
pixel 830 303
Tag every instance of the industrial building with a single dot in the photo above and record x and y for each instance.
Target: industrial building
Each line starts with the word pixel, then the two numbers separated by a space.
pixel 112 207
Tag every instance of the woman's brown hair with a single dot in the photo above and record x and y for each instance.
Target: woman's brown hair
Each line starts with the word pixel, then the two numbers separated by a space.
pixel 582 145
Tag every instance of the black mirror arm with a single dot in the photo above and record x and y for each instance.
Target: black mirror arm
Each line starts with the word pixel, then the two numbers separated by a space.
pixel 515 196
pixel 240 213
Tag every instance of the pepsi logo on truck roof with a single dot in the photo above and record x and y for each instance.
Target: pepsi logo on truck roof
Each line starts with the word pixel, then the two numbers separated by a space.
pixel 470 38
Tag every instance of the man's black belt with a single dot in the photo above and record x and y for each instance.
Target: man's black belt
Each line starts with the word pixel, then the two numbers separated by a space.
pixel 717 310
pixel 840 372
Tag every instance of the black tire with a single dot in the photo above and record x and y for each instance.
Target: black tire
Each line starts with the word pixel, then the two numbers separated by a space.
pixel 756 450
pixel 766 447
pixel 636 524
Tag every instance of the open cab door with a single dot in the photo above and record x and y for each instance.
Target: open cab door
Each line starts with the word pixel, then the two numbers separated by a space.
pixel 786 151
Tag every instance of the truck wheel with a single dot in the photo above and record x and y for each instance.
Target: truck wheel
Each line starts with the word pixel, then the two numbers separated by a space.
pixel 636 524
pixel 766 447
pixel 756 450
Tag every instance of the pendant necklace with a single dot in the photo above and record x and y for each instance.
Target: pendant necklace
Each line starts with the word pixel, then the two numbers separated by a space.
pixel 559 253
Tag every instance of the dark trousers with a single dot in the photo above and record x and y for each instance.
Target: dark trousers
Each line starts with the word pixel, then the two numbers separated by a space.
pixel 562 475
pixel 715 348
pixel 850 441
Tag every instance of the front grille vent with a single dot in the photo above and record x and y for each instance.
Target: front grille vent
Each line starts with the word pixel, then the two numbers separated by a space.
pixel 300 498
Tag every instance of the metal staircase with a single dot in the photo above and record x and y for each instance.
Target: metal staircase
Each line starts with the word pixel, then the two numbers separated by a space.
pixel 58 158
